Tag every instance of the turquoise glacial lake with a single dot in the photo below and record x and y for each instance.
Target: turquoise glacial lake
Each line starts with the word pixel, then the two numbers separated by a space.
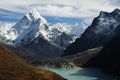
pixel 81 74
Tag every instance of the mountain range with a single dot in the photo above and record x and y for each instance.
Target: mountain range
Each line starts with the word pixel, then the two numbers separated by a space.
pixel 102 51
pixel 65 46
pixel 38 38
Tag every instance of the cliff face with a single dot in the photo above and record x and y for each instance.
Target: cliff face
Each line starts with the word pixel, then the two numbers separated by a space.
pixel 14 68
pixel 109 58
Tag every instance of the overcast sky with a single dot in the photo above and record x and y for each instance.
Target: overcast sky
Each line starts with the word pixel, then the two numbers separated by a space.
pixel 62 8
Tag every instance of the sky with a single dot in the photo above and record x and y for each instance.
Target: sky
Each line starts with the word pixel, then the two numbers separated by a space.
pixel 60 10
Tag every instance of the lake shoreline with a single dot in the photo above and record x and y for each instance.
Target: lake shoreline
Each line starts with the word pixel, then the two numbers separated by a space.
pixel 80 73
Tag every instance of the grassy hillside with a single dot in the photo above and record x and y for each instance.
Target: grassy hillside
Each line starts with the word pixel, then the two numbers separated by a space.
pixel 14 68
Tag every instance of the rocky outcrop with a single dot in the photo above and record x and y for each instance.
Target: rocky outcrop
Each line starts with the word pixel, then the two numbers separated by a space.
pixel 99 33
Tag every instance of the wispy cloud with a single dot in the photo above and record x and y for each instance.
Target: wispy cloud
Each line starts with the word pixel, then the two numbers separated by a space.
pixel 62 8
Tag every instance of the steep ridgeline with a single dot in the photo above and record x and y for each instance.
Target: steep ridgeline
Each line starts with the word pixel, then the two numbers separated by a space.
pixel 14 68
pixel 101 31
pixel 109 58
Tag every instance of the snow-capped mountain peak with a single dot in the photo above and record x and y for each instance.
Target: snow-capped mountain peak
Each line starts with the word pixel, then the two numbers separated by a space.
pixel 34 15
pixel 116 11
pixel 102 14
pixel 29 26
pixel 6 36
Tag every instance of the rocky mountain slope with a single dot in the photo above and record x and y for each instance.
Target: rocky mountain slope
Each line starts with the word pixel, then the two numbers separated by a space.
pixel 99 33
pixel 108 58
pixel 14 68
pixel 38 47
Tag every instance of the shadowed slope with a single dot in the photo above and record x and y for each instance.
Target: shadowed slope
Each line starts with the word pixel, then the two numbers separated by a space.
pixel 103 29
pixel 14 68
pixel 109 58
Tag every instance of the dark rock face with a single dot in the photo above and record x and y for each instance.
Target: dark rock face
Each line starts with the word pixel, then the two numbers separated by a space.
pixel 99 33
pixel 63 40
pixel 109 58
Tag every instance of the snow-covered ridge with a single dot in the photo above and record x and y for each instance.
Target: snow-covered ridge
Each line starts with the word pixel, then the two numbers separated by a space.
pixel 107 22
pixel 33 25
pixel 5 30
pixel 33 15
pixel 29 26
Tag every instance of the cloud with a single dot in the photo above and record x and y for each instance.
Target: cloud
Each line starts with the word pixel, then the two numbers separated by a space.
pixel 61 11
pixel 62 8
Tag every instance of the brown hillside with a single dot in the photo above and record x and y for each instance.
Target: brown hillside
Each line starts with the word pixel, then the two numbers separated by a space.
pixel 14 68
